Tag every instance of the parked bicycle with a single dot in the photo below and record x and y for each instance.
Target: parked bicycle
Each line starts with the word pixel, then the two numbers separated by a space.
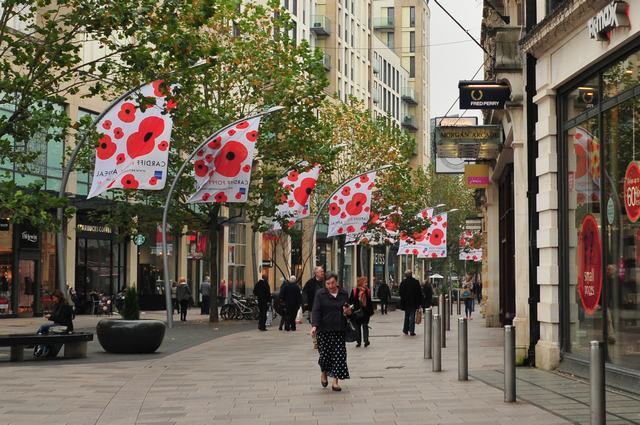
pixel 240 308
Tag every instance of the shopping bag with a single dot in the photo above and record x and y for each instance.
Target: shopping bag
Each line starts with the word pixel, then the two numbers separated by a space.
pixel 350 333
pixel 418 317
pixel 269 317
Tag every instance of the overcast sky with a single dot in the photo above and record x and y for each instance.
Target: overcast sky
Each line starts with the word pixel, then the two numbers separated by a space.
pixel 453 62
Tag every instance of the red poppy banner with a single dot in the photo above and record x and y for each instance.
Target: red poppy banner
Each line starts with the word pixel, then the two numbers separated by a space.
pixel 430 242
pixel 133 149
pixel 470 246
pixel 350 206
pixel 299 186
pixel 223 166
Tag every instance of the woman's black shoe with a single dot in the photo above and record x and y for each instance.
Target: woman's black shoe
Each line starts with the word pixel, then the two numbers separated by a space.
pixel 358 345
pixel 336 388
pixel 367 343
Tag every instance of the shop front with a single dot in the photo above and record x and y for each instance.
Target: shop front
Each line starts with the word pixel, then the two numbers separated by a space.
pixel 150 281
pixel 600 172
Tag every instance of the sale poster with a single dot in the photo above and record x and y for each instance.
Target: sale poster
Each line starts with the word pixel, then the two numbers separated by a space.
pixel 589 264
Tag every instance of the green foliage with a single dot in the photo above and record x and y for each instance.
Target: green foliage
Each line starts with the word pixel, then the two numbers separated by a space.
pixel 131 309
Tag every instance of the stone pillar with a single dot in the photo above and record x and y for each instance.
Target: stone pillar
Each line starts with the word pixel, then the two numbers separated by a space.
pixel 491 279
pixel 548 347
pixel 132 264
pixel 70 251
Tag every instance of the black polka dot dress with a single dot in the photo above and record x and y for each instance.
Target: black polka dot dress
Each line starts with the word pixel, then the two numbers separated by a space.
pixel 333 354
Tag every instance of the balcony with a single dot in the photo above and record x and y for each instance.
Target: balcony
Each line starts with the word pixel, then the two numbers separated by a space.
pixel 409 122
pixel 320 25
pixel 409 95
pixel 383 23
pixel 326 62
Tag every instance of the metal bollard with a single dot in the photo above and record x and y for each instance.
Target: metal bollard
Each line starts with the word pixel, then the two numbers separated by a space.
pixel 447 308
pixel 450 302
pixel 428 319
pixel 463 358
pixel 440 304
pixel 443 314
pixel 437 352
pixel 458 299
pixel 598 401
pixel 509 363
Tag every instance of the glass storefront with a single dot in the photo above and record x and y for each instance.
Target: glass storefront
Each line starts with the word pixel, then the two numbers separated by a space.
pixel 151 263
pixel 237 258
pixel 600 169
pixel 6 268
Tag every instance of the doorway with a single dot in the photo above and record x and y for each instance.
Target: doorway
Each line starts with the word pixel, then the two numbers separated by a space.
pixel 507 248
pixel 27 287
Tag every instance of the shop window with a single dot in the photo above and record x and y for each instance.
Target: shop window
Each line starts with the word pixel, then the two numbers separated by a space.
pixel 236 258
pixel 621 76
pixel 582 98
pixel 6 269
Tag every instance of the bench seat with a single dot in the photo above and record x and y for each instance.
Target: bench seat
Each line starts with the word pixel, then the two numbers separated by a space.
pixel 75 343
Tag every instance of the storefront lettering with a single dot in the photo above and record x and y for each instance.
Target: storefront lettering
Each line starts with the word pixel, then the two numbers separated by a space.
pixel 26 236
pixel 631 191
pixel 613 15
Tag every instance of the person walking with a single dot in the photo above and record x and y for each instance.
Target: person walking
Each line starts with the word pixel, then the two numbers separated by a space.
pixel 362 306
pixel 222 293
pixel 427 295
pixel 174 298
pixel 328 323
pixel 477 289
pixel 205 291
pixel 467 291
pixel 280 308
pixel 410 301
pixel 291 296
pixel 384 294
pixel 312 286
pixel 263 293
pixel 183 292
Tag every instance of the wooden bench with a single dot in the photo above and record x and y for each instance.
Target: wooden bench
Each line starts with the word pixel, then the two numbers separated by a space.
pixel 75 344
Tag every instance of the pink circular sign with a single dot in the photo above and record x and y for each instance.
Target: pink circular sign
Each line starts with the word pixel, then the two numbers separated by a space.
pixel 589 264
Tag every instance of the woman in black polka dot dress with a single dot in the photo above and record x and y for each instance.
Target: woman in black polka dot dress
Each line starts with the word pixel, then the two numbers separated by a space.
pixel 330 306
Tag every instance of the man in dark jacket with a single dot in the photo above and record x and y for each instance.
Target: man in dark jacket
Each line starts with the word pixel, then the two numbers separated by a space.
pixel 291 296
pixel 427 291
pixel 263 293
pixel 410 301
pixel 384 293
pixel 310 288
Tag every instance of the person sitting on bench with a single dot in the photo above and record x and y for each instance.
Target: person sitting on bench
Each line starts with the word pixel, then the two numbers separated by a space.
pixel 61 316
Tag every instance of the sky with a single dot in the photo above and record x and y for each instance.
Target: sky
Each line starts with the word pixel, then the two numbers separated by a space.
pixel 459 58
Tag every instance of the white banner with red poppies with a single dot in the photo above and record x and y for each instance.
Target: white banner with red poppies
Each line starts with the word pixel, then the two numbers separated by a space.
pixel 299 185
pixel 469 244
pixel 350 206
pixel 223 166
pixel 382 230
pixel 133 148
pixel 430 242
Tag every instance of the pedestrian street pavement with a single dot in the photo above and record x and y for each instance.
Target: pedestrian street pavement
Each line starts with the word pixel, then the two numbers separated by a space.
pixel 247 377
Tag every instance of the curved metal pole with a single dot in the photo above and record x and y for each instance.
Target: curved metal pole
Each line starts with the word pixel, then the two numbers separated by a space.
pixel 60 236
pixel 324 204
pixel 165 213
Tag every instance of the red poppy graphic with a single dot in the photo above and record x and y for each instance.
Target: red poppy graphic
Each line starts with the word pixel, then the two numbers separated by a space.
pixel 127 112
pixel 363 227
pixel 356 204
pixel 231 132
pixel 351 229
pixel 170 105
pixel 415 251
pixel 341 201
pixel 153 180
pixel 238 195
pixel 390 225
pixel 243 125
pixel 358 185
pixel 200 152
pixel 374 218
pixel 371 186
pixel 367 209
pixel 252 136
pixel 434 255
pixel 143 141
pixel 291 223
pixel 293 175
pixel 120 158
pixel 106 125
pixel 436 237
pixel 335 198
pixel 230 159
pixel 302 193
pixel 343 215
pixel 291 203
pixel 201 168
pixel 334 209
pixel 220 197
pixel 206 196
pixel 118 133
pixel 160 88
pixel 364 178
pixel 163 145
pixel 106 148
pixel 419 236
pixel 215 143
pixel 129 181
pixel 246 168
pixel 346 191
pixel 341 230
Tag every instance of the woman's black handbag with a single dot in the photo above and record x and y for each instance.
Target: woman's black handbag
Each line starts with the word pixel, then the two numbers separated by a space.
pixel 351 332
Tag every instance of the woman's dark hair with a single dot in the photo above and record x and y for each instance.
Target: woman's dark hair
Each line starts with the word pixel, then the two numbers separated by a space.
pixel 329 275
pixel 60 296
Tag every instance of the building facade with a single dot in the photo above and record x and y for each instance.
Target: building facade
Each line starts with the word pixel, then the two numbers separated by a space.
pixel 568 175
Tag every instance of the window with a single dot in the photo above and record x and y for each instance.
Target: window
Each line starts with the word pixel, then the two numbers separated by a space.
pixel 412 42
pixel 412 67
pixel 412 17
pixel 236 258
pixel 390 15
pixel 390 40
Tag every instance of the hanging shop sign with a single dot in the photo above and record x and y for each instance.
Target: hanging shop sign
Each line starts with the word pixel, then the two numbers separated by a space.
pixel 476 176
pixel 451 165
pixel 589 264
pixel 612 16
pixel 476 142
pixel 631 190
pixel 139 239
pixel 483 94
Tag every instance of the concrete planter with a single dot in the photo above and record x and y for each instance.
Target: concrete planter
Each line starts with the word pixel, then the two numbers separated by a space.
pixel 130 336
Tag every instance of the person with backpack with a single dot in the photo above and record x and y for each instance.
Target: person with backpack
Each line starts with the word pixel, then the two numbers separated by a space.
pixel 384 294
pixel 362 307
